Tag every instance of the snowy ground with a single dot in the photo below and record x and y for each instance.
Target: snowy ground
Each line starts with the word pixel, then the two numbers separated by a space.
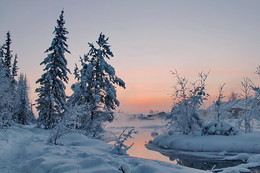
pixel 24 150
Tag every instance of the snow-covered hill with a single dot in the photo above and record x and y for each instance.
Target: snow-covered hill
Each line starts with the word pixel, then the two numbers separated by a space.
pixel 24 150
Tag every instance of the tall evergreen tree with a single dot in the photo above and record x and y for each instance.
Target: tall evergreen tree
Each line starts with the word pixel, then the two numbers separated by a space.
pixel 96 84
pixel 24 111
pixel 7 54
pixel 6 102
pixel 51 93
pixel 7 66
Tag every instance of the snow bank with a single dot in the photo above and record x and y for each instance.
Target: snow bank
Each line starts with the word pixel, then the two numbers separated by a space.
pixel 24 149
pixel 243 143
pixel 241 156
pixel 252 162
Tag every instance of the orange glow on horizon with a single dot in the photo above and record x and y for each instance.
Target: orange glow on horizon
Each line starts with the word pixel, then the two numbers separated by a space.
pixel 145 104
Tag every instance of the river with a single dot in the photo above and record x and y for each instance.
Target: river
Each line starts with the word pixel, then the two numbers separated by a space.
pixel 141 145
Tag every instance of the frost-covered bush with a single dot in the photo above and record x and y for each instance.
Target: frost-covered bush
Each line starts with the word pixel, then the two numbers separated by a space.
pixel 120 147
pixel 185 115
pixel 219 128
pixel 72 120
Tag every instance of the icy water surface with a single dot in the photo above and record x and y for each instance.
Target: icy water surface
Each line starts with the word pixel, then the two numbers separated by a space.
pixel 144 128
pixel 204 161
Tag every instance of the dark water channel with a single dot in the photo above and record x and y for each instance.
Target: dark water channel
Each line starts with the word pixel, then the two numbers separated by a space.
pixel 198 162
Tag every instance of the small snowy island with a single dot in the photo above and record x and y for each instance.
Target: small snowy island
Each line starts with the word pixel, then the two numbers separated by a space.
pixel 243 147
pixel 226 131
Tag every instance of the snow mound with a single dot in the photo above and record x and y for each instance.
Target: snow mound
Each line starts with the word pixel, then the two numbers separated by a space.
pixel 242 156
pixel 252 162
pixel 219 128
pixel 254 159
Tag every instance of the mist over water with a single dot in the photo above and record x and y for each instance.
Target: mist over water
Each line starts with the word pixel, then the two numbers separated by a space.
pixel 144 128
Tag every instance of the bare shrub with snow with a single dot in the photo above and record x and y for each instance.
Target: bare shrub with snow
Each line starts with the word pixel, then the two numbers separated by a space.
pixel 185 116
pixel 72 120
pixel 246 116
pixel 251 104
pixel 218 114
pixel 120 147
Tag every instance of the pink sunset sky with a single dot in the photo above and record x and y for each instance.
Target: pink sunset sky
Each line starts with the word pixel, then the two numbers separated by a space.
pixel 148 39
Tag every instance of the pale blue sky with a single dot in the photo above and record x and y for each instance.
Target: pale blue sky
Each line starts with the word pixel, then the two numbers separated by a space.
pixel 149 38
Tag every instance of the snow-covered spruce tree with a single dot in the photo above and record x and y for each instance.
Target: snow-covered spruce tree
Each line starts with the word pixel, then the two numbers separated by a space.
pixel 7 55
pixel 185 116
pixel 6 102
pixel 23 111
pixel 51 93
pixel 11 69
pixel 96 86
pixel 10 87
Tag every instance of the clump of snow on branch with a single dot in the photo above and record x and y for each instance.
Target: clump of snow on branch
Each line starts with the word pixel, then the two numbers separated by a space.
pixel 219 128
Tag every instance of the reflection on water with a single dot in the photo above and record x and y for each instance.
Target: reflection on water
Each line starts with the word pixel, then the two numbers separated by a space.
pixel 145 128
pixel 139 149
